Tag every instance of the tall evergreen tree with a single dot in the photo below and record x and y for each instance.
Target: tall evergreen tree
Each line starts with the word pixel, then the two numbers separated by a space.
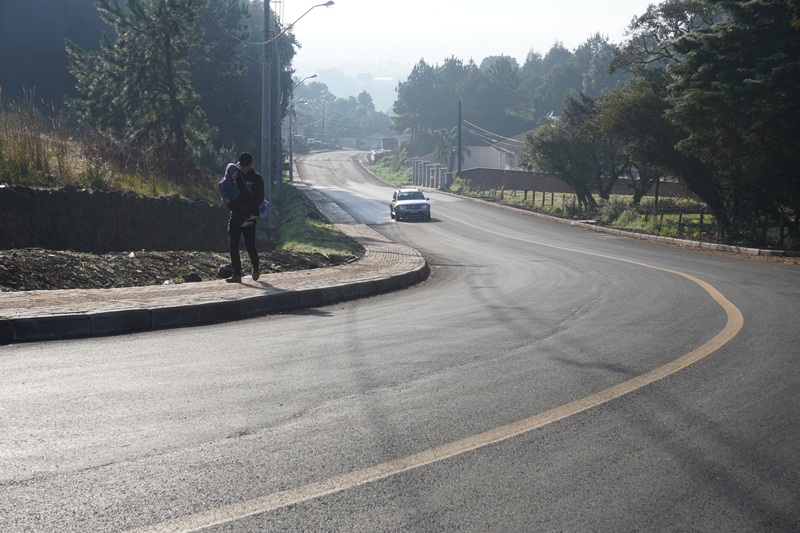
pixel 137 88
pixel 221 68
pixel 414 97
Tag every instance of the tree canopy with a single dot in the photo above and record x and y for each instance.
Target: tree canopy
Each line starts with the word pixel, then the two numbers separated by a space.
pixel 500 95
pixel 137 88
pixel 713 101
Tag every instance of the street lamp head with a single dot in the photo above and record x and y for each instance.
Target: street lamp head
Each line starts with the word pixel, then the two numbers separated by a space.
pixel 301 81
pixel 328 4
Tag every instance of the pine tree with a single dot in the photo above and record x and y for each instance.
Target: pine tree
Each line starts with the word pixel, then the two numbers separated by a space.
pixel 137 88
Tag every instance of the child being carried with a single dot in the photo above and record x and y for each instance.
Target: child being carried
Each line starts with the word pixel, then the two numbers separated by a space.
pixel 234 190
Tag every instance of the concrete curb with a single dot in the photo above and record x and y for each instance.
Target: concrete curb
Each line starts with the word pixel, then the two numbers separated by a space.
pixel 68 326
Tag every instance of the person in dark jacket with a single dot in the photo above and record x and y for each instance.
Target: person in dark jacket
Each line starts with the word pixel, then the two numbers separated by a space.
pixel 251 190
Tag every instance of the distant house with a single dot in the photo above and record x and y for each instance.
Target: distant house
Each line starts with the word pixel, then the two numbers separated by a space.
pixel 499 156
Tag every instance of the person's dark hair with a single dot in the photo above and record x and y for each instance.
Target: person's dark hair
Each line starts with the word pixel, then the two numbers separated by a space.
pixel 245 159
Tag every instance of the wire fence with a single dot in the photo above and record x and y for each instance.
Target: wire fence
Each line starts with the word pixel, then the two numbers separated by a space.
pixel 683 218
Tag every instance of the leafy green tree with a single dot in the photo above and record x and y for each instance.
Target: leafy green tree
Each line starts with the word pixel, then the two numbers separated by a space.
pixel 582 154
pixel 312 100
pixel 652 37
pixel 137 88
pixel 650 55
pixel 492 95
pixel 561 77
pixel 595 56
pixel 563 150
pixel 729 104
pixel 736 94
pixel 415 97
pixel 608 161
pixel 634 115
pixel 428 99
pixel 356 117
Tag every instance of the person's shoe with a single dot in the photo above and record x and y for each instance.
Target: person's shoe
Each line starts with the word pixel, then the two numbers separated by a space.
pixel 234 279
pixel 256 274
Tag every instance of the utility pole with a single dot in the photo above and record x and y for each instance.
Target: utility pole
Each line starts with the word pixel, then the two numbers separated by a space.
pixel 266 113
pixel 459 138
pixel 269 104
pixel 277 152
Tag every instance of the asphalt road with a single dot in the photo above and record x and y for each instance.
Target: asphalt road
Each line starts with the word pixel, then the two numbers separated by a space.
pixel 544 378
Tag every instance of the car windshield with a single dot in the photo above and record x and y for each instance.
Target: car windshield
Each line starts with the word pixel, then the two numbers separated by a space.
pixel 411 195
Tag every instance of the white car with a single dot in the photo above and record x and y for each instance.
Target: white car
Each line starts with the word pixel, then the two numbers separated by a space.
pixel 410 203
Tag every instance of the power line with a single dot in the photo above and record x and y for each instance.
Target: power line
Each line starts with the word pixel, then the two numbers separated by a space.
pixel 484 137
pixel 499 138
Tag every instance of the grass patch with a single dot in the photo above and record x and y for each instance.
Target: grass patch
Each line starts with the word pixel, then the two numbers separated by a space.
pixel 38 150
pixel 385 170
pixel 303 230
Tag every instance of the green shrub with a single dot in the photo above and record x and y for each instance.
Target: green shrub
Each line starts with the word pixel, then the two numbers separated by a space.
pixel 611 209
pixel 571 208
pixel 630 218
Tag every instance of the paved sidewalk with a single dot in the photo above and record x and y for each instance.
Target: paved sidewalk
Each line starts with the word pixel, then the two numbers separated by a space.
pixel 61 314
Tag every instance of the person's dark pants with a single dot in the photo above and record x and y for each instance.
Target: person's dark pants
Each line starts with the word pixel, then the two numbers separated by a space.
pixel 235 231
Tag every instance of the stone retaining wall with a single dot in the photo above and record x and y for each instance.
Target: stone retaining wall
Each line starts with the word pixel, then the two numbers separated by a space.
pixel 94 221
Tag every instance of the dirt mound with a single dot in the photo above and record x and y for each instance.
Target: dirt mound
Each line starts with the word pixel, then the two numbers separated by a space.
pixel 34 268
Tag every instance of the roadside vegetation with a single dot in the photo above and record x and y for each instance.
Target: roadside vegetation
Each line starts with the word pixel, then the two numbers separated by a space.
pixel 672 217
pixel 303 230
pixel 391 171
pixel 36 151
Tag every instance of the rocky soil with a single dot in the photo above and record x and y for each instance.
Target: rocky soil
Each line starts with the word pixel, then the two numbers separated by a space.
pixel 34 268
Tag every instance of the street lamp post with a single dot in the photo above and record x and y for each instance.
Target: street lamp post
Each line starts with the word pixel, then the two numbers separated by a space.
pixel 267 113
pixel 291 131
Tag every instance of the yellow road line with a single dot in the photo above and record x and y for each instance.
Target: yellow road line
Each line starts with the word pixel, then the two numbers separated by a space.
pixel 380 471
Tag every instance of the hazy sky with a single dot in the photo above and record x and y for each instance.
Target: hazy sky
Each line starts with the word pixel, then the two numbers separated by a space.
pixel 401 32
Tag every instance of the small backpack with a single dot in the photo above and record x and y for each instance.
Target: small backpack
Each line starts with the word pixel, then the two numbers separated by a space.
pixel 228 190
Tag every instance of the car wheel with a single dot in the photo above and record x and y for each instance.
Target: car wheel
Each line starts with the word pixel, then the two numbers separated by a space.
pixel 428 217
pixel 391 213
pixel 397 217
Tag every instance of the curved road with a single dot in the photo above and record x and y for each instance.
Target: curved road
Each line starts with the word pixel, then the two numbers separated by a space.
pixel 545 378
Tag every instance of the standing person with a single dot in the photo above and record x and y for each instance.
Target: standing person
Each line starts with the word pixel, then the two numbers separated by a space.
pixel 251 190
